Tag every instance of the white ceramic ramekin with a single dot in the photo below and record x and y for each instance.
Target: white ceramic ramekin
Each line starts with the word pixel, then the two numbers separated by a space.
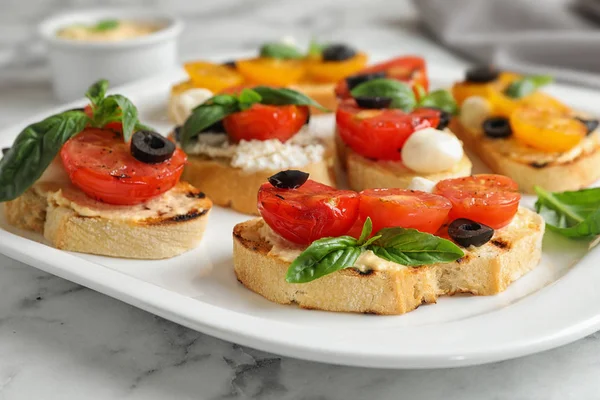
pixel 76 64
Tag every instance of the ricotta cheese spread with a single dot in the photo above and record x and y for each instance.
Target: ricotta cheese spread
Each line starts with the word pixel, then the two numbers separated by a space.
pixel 258 155
pixel 182 104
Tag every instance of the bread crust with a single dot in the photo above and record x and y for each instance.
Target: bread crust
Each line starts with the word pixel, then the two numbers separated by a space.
pixel 233 187
pixel 322 93
pixel 486 270
pixel 574 174
pixel 153 238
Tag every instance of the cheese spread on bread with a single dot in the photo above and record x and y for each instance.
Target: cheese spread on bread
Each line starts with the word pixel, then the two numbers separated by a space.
pixel 170 204
pixel 302 149
pixel 523 222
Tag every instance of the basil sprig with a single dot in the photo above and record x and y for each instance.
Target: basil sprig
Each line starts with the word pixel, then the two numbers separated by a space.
pixel 282 51
pixel 527 85
pixel 220 106
pixel 403 246
pixel 403 96
pixel 575 214
pixel 39 143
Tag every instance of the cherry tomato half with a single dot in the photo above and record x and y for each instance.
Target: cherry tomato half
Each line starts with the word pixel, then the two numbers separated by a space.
pixel 264 122
pixel 101 165
pixel 409 69
pixel 489 199
pixel 380 134
pixel 311 212
pixel 388 208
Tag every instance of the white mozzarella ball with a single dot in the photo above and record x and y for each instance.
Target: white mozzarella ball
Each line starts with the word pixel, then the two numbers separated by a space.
pixel 430 150
pixel 474 111
pixel 421 184
pixel 182 104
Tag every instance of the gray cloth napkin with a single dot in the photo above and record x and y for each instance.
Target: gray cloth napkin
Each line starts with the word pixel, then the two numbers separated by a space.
pixel 556 37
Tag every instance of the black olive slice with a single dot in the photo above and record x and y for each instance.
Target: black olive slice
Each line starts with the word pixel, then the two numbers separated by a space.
pixel 151 147
pixel 375 102
pixel 469 233
pixel 5 150
pixel 497 127
pixel 230 63
pixel 217 127
pixel 590 124
pixel 338 52
pixel 355 80
pixel 482 74
pixel 290 179
pixel 177 133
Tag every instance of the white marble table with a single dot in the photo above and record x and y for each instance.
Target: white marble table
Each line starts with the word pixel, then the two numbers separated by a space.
pixel 59 340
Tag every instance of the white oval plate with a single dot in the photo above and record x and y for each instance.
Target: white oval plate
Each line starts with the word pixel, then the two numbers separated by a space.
pixel 555 304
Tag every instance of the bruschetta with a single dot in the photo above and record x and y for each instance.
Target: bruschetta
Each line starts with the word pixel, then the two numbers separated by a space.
pixel 96 181
pixel 314 73
pixel 386 136
pixel 385 251
pixel 524 133
pixel 236 141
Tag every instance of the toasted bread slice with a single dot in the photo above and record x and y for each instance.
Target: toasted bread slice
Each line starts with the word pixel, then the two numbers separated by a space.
pixel 555 172
pixel 163 227
pixel 486 270
pixel 364 173
pixel 233 187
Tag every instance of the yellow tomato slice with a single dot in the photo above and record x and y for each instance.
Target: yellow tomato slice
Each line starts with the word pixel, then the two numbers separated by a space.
pixel 546 130
pixel 182 87
pixel 542 100
pixel 271 71
pixel 334 71
pixel 215 77
pixel 502 104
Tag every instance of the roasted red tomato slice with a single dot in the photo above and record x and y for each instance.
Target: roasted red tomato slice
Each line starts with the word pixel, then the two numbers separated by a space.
pixel 311 212
pixel 389 208
pixel 264 122
pixel 380 134
pixel 101 165
pixel 114 126
pixel 489 199
pixel 409 69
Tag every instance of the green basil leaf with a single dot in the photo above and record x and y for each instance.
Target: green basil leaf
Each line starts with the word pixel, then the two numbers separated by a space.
pixel 574 214
pixel 441 99
pixel 413 248
pixel 282 97
pixel 97 91
pixel 121 107
pixel 527 85
pixel 366 231
pixel 34 149
pixel 247 98
pixel 323 257
pixel 106 25
pixel 401 94
pixel 280 51
pixel 222 100
pixel 202 117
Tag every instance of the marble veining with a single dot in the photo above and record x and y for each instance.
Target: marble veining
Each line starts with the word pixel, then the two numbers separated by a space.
pixel 59 340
